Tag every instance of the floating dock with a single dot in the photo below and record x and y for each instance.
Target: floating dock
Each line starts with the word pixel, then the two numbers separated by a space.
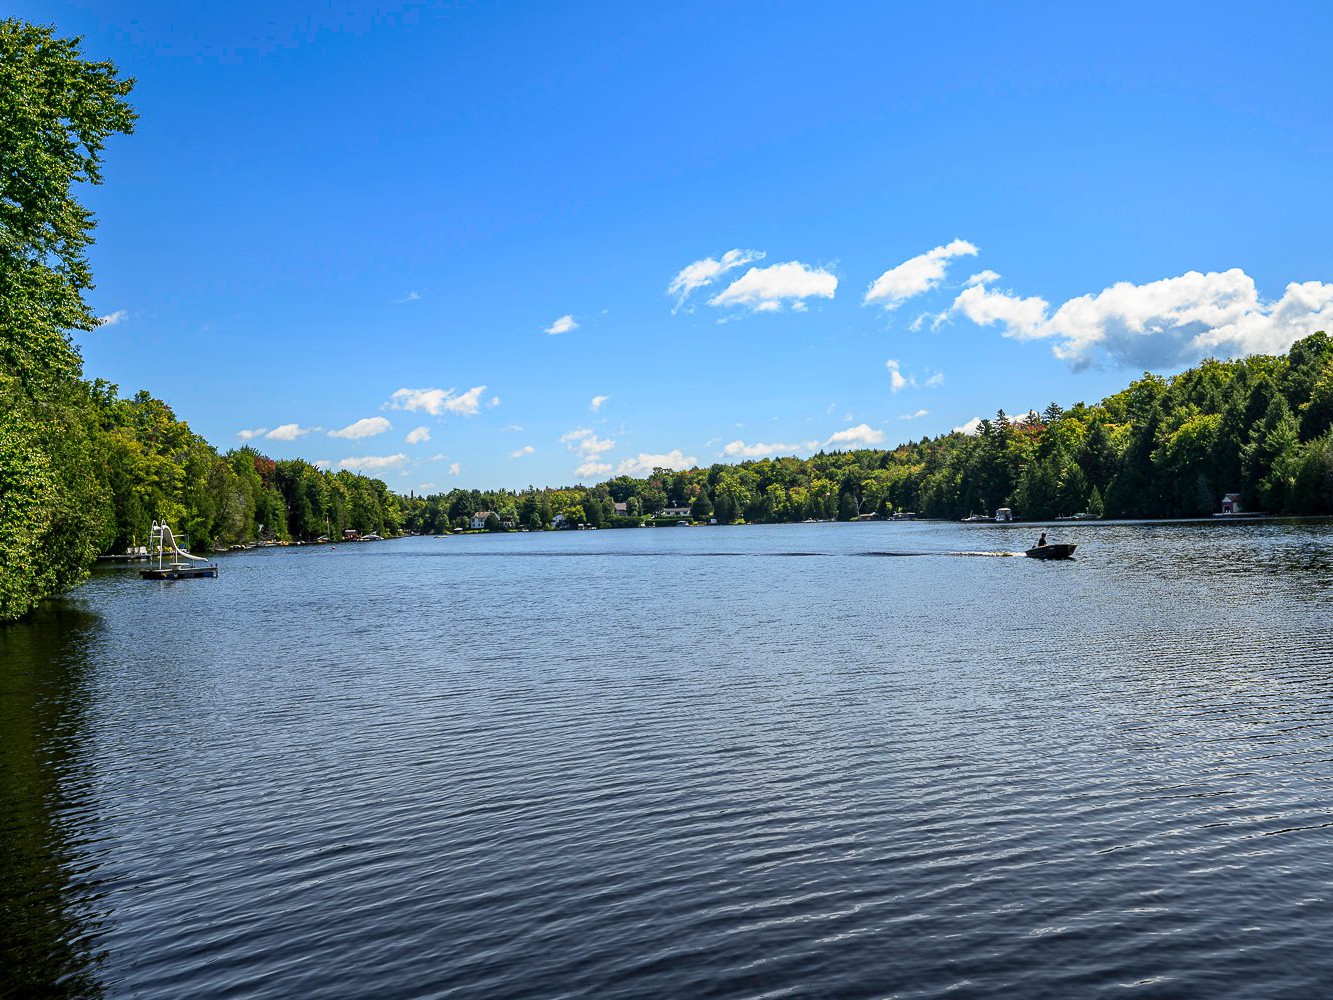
pixel 183 572
pixel 163 542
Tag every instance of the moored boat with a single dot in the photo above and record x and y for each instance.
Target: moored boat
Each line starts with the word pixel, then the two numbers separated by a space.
pixel 1060 551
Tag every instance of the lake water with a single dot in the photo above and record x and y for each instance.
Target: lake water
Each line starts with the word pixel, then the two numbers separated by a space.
pixel 798 760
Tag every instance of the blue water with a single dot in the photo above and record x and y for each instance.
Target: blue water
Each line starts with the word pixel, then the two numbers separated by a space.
pixel 704 762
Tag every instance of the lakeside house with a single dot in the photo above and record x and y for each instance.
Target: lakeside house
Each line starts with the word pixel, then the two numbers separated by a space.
pixel 479 519
pixel 622 509
pixel 674 512
pixel 1231 504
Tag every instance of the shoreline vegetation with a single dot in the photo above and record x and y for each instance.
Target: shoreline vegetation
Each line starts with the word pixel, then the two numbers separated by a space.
pixel 83 471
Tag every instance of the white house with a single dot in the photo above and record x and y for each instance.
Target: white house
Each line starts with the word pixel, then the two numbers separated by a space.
pixel 479 519
pixel 674 512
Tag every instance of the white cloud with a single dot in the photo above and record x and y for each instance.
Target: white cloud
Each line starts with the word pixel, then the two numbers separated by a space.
pixel 1022 318
pixel 597 402
pixel 586 442
pixel 372 463
pixel 986 277
pixel 860 435
pixel 527 449
pixel 250 435
pixel 511 427
pixel 589 469
pixel 761 450
pixel 896 379
pixel 706 271
pixel 454 468
pixel 363 428
pixel 425 487
pixel 766 289
pixel 287 432
pixel 1160 324
pixel 644 462
pixel 322 463
pixel 915 275
pixel 494 401
pixel 418 434
pixel 971 427
pixel 915 416
pixel 563 325
pixel 439 401
pixel 112 319
pixel 409 297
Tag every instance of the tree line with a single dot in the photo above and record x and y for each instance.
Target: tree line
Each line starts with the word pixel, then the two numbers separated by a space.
pixel 84 471
pixel 1261 427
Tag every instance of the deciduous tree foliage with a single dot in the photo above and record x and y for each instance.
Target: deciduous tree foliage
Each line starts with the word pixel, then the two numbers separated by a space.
pixel 56 112
pixel 1258 426
pixel 81 470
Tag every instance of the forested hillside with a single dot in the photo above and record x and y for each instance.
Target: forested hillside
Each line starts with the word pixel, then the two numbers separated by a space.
pixel 81 470
pixel 1164 447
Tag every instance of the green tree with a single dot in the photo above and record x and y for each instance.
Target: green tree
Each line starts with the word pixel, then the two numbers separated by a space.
pixel 56 112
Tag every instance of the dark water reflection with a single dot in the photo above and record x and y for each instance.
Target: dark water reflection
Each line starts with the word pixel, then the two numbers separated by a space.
pixel 682 763
pixel 51 909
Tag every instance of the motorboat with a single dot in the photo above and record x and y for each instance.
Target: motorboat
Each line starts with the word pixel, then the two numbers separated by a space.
pixel 1060 551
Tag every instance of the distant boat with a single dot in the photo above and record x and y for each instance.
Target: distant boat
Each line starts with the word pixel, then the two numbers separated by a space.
pixel 1051 552
pixel 978 519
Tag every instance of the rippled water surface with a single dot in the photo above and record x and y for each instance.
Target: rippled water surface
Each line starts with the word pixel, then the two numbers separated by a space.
pixel 801 760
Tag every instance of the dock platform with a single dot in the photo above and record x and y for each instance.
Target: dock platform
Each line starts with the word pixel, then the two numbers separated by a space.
pixel 179 572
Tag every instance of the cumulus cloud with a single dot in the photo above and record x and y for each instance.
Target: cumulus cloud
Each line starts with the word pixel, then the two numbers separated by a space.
pixel 363 428
pixel 644 462
pixel 861 435
pixel 112 319
pixel 1159 324
pixel 322 463
pixel 439 401
pixel 597 402
pixel 915 416
pixel 706 271
pixel 454 468
pixel 409 297
pixel 586 442
pixel 986 277
pixel 767 289
pixel 761 450
pixel 898 381
pixel 971 427
pixel 527 449
pixel 250 435
pixel 493 402
pixel 372 463
pixel 287 432
pixel 1020 317
pixel 418 434
pixel 588 469
pixel 915 275
pixel 563 325
pixel 425 487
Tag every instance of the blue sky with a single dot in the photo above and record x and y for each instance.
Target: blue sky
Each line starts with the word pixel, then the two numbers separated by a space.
pixel 571 240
